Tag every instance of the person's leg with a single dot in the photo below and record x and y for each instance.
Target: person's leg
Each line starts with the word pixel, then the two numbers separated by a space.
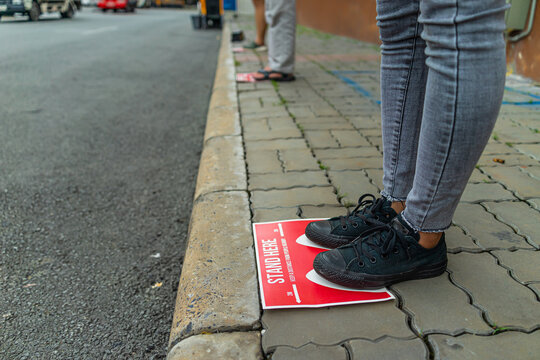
pixel 403 79
pixel 281 20
pixel 466 60
pixel 260 22
pixel 466 73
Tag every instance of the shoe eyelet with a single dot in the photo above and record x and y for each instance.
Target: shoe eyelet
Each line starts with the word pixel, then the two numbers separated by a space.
pixel 395 251
pixel 344 227
pixel 355 225
pixel 373 260
pixel 361 264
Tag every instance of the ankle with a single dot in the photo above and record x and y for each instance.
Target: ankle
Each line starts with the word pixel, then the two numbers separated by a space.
pixel 398 206
pixel 429 240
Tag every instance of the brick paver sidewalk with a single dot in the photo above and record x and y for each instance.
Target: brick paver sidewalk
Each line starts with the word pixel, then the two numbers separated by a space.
pixel 313 147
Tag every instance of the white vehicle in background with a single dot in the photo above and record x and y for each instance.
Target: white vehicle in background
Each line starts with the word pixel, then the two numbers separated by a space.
pixel 34 8
pixel 89 2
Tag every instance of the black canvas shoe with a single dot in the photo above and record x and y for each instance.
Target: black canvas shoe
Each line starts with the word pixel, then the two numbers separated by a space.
pixel 384 255
pixel 341 230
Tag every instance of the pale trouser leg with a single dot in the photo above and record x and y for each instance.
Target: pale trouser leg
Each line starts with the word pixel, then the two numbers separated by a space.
pixel 403 85
pixel 281 20
pixel 465 52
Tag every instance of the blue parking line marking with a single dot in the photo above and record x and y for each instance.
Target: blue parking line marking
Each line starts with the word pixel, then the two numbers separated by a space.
pixel 533 103
pixel 359 89
pixel 341 74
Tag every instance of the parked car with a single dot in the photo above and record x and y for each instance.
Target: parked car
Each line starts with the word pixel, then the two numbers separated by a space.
pixel 35 8
pixel 115 5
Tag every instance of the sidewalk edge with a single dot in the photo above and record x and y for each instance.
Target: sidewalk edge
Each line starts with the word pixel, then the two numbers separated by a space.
pixel 218 289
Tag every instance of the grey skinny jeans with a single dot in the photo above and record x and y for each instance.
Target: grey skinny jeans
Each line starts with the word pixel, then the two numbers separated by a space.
pixel 442 81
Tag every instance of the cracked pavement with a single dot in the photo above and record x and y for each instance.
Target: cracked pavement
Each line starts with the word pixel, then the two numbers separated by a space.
pixel 313 147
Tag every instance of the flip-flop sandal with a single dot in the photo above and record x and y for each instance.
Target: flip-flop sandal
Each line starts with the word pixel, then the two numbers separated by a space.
pixel 284 76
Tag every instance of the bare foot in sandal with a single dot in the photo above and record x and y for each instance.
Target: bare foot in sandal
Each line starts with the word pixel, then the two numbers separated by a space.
pixel 269 74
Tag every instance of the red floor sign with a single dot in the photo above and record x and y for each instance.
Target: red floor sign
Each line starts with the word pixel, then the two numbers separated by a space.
pixel 286 276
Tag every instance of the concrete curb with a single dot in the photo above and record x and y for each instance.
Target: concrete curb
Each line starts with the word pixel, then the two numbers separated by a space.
pixel 217 292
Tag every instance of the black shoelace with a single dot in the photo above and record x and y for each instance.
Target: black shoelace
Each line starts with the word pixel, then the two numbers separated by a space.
pixel 383 239
pixel 367 209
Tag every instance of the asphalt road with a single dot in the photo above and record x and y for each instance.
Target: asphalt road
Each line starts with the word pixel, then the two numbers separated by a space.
pixel 101 126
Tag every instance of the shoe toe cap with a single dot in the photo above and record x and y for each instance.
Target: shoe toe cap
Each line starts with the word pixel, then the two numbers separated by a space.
pixel 319 227
pixel 334 259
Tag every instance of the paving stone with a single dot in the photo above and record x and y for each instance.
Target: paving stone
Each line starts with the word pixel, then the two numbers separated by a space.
pixel 365 122
pixel 263 161
pixel 534 171
pixel 520 216
pixel 483 226
pixel 351 185
pixel 498 148
pixel 458 314
pixel 251 106
pixel 371 132
pixel 324 111
pixel 530 149
pixel 227 346
pixel 281 144
pixel 246 86
pixel 293 197
pixel 457 240
pixel 347 153
pixel 330 120
pixel 321 139
pixel 376 141
pixel 389 349
pixel 536 288
pixel 328 326
pixel 504 346
pixel 322 212
pixel 535 203
pixel 485 192
pixel 349 138
pixel 310 352
pixel 264 113
pixel 516 180
pixel 298 159
pixel 265 215
pixel 507 303
pixel 336 124
pixel 301 111
pixel 509 160
pixel 218 285
pixel 263 94
pixel 508 132
pixel 354 163
pixel 272 128
pixel 287 180
pixel 478 177
pixel 524 264
pixel 376 176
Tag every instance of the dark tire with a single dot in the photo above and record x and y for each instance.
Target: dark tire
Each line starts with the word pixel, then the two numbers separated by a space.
pixel 69 13
pixel 115 10
pixel 104 10
pixel 33 14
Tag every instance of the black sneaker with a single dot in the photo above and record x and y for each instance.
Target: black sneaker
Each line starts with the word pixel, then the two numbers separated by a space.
pixel 384 255
pixel 341 230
